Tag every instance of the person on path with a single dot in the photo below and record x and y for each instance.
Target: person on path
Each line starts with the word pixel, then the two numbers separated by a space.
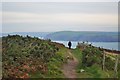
pixel 69 44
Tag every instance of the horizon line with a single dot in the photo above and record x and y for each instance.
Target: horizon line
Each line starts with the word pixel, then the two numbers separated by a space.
pixel 57 31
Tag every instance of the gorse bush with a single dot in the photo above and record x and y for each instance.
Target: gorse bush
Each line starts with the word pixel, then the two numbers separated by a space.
pixel 91 56
pixel 25 55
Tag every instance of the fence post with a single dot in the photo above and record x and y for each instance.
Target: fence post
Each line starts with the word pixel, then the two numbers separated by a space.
pixel 103 63
pixel 116 66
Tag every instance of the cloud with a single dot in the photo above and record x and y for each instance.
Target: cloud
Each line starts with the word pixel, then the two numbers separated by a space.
pixel 52 16
pixel 61 18
pixel 60 0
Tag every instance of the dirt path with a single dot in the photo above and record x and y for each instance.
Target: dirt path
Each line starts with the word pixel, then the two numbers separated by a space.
pixel 69 69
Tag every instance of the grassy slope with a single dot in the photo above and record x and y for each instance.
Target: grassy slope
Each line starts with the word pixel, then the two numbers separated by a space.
pixel 54 66
pixel 40 58
pixel 94 71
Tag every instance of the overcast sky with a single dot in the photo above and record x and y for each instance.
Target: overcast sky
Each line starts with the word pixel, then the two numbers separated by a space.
pixel 52 16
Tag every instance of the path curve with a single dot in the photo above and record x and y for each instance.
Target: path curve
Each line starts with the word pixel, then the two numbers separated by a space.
pixel 69 69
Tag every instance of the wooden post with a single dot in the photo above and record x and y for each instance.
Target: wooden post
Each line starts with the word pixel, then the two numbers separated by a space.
pixel 116 66
pixel 103 64
pixel 112 51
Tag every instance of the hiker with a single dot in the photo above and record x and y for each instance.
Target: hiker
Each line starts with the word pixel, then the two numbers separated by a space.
pixel 69 44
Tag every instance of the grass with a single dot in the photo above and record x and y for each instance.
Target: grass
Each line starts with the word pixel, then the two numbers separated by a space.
pixel 28 57
pixel 78 54
pixel 95 71
pixel 54 66
pixel 51 62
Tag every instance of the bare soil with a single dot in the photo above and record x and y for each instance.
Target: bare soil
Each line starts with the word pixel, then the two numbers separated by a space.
pixel 69 69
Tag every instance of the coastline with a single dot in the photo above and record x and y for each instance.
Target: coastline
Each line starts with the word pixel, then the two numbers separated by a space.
pixel 83 45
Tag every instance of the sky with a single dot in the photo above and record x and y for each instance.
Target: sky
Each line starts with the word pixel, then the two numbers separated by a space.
pixel 59 16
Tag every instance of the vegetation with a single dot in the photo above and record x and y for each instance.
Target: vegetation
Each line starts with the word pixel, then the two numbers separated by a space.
pixel 27 57
pixel 91 59
pixel 31 57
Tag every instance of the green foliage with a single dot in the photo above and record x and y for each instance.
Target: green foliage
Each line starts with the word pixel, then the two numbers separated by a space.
pixel 25 56
pixel 109 64
pixel 91 56
pixel 78 54
pixel 90 60
pixel 93 71
pixel 54 64
pixel 96 72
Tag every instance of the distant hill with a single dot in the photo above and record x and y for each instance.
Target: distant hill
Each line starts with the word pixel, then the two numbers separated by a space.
pixel 84 36
pixel 72 36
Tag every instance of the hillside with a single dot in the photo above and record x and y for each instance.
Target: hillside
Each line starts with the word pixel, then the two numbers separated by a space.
pixel 91 63
pixel 28 57
pixel 84 36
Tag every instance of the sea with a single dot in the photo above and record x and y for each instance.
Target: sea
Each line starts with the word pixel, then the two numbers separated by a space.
pixel 106 45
